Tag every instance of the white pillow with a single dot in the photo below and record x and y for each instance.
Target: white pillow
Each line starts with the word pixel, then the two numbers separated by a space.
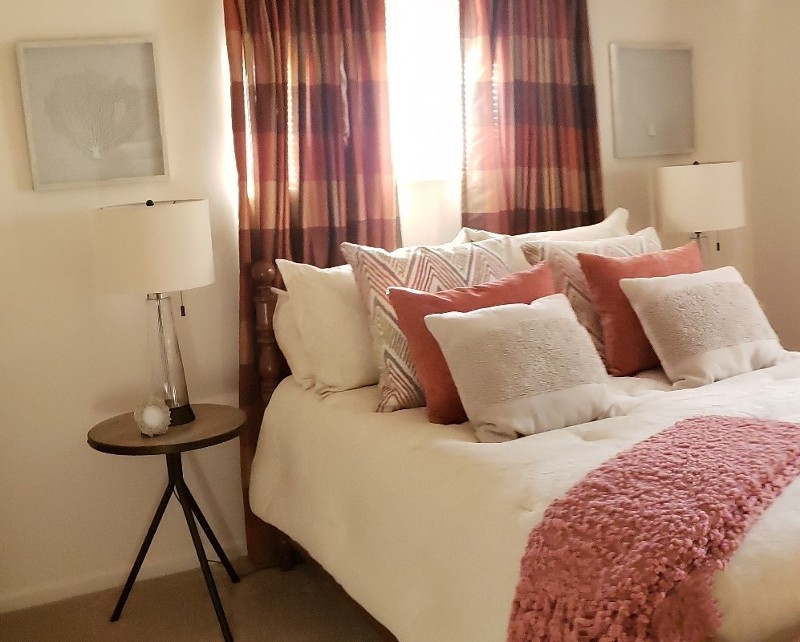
pixel 333 325
pixel 522 369
pixel 287 334
pixel 461 237
pixel 705 326
pixel 615 224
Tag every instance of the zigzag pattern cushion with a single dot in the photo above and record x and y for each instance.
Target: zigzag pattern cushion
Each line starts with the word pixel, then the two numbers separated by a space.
pixel 570 279
pixel 429 269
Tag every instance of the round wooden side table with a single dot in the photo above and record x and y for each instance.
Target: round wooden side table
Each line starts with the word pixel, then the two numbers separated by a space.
pixel 214 424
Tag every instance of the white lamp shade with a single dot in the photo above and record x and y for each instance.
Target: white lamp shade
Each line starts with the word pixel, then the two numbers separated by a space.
pixel 163 247
pixel 703 197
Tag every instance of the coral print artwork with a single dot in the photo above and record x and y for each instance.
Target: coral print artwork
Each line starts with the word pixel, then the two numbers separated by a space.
pixel 92 111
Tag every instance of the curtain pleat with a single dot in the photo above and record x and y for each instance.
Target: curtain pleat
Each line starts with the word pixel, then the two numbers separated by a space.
pixel 309 105
pixel 531 142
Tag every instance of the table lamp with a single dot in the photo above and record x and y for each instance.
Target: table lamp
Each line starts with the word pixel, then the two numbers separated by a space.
pixel 154 248
pixel 701 197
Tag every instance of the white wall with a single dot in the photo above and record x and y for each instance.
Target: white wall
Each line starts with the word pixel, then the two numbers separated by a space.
pixel 774 121
pixel 72 519
pixel 716 31
pixel 747 95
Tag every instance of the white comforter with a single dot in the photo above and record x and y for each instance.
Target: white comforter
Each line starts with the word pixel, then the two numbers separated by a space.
pixel 425 528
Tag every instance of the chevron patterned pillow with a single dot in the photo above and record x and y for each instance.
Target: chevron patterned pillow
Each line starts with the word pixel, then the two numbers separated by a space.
pixel 429 269
pixel 569 278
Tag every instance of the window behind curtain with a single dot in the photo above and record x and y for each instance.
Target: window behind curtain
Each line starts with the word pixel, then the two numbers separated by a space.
pixel 424 59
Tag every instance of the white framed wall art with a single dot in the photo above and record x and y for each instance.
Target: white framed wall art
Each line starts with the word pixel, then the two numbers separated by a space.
pixel 652 99
pixel 92 111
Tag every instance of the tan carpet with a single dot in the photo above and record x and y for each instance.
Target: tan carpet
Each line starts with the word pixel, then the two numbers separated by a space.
pixel 301 604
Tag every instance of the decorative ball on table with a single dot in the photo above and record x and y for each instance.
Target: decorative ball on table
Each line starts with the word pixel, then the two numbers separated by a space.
pixel 152 417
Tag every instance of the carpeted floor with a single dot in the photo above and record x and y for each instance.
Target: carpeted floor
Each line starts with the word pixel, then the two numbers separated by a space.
pixel 269 605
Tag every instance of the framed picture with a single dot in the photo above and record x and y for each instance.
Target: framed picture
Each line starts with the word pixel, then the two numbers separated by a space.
pixel 91 111
pixel 652 99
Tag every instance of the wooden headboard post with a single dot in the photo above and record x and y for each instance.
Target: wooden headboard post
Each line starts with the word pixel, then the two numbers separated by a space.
pixel 266 546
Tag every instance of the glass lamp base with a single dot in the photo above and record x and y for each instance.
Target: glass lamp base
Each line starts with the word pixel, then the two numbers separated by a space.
pixel 167 378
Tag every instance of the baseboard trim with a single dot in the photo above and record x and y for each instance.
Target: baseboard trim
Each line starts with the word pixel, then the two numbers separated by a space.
pixel 109 578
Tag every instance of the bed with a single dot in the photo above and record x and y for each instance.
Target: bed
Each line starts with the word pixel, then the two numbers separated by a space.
pixel 424 526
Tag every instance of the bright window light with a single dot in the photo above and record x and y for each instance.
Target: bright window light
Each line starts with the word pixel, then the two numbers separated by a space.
pixel 424 67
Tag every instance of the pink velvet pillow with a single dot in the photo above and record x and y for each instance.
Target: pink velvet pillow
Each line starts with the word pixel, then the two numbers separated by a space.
pixel 411 307
pixel 627 349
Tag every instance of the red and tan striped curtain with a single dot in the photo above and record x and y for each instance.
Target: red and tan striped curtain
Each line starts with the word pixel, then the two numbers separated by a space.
pixel 531 144
pixel 311 137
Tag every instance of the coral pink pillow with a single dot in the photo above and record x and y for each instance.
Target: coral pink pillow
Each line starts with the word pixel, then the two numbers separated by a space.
pixel 627 348
pixel 411 307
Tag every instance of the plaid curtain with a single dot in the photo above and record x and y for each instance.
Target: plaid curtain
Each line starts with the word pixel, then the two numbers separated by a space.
pixel 531 144
pixel 309 104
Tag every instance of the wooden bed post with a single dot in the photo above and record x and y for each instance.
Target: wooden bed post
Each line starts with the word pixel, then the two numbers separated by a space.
pixel 266 545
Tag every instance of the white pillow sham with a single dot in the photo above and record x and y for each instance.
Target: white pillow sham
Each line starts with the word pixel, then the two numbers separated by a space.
pixel 461 237
pixel 333 325
pixel 705 326
pixel 287 334
pixel 322 328
pixel 615 224
pixel 522 369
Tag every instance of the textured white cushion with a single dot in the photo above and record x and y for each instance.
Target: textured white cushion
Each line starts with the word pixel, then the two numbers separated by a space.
pixel 522 369
pixel 705 326
pixel 615 224
pixel 287 334
pixel 333 325
pixel 569 278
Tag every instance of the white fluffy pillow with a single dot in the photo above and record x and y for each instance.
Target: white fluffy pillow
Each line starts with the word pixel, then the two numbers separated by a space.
pixel 615 224
pixel 522 369
pixel 322 328
pixel 333 325
pixel 705 326
pixel 461 237
pixel 287 334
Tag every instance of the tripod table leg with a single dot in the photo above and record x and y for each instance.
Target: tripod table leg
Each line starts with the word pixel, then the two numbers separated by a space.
pixel 211 537
pixel 148 538
pixel 176 475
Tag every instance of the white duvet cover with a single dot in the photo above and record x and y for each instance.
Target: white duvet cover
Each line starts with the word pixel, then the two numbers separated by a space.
pixel 425 527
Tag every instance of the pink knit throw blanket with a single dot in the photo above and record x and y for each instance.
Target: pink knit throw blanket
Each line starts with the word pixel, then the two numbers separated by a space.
pixel 629 553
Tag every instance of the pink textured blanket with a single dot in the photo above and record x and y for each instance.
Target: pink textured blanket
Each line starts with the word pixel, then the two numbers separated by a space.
pixel 629 553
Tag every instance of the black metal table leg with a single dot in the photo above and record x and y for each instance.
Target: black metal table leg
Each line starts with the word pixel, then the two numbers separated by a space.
pixel 211 537
pixel 148 538
pixel 176 476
